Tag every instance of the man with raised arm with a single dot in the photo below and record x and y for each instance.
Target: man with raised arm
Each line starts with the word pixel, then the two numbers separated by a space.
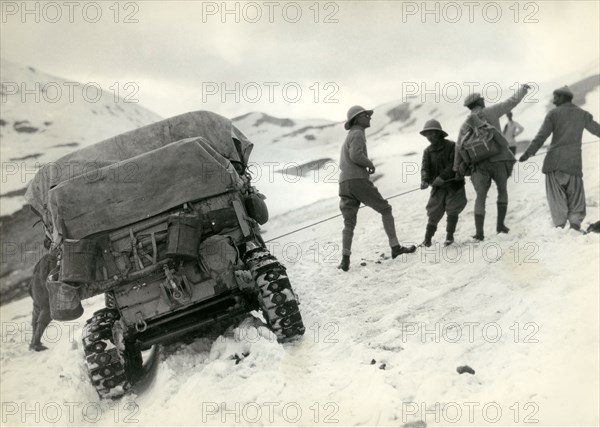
pixel 497 168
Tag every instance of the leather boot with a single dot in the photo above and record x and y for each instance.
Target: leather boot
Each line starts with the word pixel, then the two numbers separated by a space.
pixel 479 221
pixel 37 347
pixel 500 227
pixel 429 232
pixel 399 249
pixel 345 263
pixel 451 223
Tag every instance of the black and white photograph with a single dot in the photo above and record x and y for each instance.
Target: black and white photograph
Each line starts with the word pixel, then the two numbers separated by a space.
pixel 303 213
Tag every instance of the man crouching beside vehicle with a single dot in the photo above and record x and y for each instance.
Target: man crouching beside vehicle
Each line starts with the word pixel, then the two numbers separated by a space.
pixel 355 186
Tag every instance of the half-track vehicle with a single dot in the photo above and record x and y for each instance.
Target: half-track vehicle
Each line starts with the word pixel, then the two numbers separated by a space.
pixel 164 221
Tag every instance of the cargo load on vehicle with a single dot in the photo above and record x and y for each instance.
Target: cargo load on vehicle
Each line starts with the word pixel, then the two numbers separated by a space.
pixel 165 222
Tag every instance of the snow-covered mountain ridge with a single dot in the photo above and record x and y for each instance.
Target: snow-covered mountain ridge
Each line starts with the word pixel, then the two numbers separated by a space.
pixel 384 340
pixel 45 117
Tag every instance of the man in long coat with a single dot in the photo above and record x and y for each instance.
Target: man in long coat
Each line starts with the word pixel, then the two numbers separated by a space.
pixel 563 164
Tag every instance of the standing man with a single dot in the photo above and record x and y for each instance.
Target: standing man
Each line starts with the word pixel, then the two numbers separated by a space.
pixel 497 168
pixel 562 164
pixel 41 301
pixel 355 186
pixel 447 192
pixel 511 130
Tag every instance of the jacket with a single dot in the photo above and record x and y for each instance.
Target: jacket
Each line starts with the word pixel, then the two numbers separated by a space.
pixel 438 160
pixel 354 158
pixel 566 124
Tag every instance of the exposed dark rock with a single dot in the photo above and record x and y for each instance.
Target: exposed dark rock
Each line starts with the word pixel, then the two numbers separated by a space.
pixel 408 124
pixel 400 113
pixel 242 117
pixel 415 424
pixel 307 128
pixel 31 156
pixel 73 144
pixel 305 168
pixel 274 121
pixel 24 126
pixel 594 227
pixel 22 246
pixel 15 290
pixel 583 87
pixel 465 369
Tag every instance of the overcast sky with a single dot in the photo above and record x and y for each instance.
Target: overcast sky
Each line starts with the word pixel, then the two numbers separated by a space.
pixel 182 55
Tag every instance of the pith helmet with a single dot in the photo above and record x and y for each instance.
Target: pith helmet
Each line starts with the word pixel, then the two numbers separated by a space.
pixel 564 91
pixel 433 125
pixel 353 112
pixel 471 98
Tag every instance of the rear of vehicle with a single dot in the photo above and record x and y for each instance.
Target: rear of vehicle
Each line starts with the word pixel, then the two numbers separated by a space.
pixel 171 236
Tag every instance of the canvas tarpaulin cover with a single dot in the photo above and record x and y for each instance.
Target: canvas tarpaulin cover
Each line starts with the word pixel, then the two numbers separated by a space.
pixel 162 179
pixel 217 130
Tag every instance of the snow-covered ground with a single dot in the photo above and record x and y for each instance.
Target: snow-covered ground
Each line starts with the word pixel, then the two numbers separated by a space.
pixel 383 341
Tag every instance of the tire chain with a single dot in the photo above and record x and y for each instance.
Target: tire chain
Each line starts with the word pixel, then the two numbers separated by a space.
pixel 102 358
pixel 110 300
pixel 277 300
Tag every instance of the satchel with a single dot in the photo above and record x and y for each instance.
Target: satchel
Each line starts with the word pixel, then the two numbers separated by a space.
pixel 257 208
pixel 65 303
pixel 480 140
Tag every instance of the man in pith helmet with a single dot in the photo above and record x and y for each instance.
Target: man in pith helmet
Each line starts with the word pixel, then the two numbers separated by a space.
pixel 447 190
pixel 355 186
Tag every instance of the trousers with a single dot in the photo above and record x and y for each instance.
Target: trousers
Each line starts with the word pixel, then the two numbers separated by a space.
pixel 354 192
